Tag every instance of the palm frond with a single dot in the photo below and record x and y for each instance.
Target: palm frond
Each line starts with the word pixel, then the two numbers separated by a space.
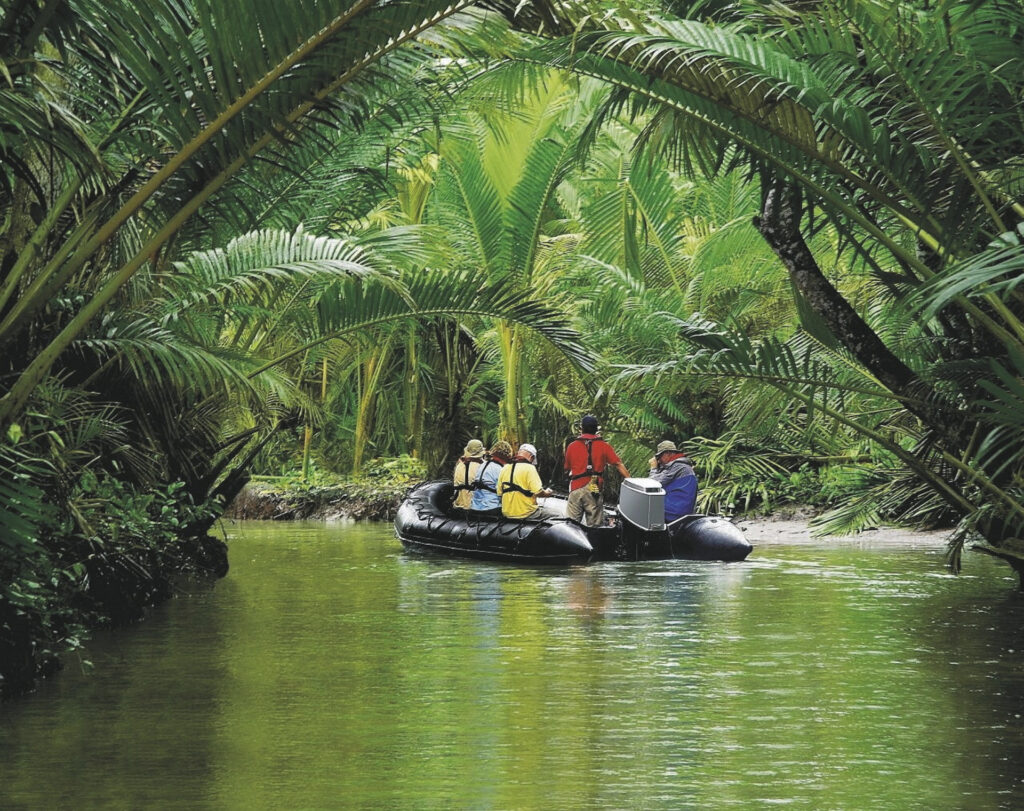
pixel 23 502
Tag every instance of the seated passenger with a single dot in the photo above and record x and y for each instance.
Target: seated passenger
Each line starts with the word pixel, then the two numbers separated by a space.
pixel 485 496
pixel 465 473
pixel 519 486
pixel 675 473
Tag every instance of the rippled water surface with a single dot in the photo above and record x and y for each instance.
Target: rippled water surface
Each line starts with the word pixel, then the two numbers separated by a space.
pixel 332 669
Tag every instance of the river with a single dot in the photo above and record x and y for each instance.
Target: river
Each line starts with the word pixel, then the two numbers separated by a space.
pixel 331 669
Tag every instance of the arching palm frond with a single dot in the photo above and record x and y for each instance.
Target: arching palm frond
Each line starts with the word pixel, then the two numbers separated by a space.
pixel 255 265
pixel 212 86
pixel 351 306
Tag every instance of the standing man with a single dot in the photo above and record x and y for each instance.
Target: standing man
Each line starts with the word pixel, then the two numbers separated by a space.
pixel 586 459
pixel 519 486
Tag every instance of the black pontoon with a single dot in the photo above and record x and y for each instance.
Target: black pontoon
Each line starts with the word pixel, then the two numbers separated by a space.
pixel 635 531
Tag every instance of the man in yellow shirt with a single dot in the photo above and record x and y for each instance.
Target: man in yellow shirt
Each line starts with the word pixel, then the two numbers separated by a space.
pixel 519 486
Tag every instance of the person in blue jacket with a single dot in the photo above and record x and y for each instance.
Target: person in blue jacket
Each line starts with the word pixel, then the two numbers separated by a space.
pixel 485 495
pixel 674 471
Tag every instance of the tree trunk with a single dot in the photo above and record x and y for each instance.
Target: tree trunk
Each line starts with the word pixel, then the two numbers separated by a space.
pixel 779 224
pixel 374 367
pixel 513 421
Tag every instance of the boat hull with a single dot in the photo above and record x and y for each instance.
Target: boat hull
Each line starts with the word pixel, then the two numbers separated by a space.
pixel 425 521
pixel 707 537
pixel 693 537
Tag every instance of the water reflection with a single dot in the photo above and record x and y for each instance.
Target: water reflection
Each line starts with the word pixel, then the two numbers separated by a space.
pixel 586 595
pixel 332 669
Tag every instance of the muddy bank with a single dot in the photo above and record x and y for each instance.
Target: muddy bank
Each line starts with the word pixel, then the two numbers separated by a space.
pixel 354 501
pixel 787 530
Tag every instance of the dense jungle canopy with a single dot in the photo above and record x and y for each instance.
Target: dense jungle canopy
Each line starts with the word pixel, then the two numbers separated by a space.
pixel 244 237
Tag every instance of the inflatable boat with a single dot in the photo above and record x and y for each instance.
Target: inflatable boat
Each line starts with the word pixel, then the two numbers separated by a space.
pixel 635 530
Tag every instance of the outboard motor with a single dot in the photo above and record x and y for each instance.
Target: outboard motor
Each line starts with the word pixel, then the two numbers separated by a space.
pixel 642 504
pixel 642 508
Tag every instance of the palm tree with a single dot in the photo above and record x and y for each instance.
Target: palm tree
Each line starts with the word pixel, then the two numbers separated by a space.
pixel 138 151
pixel 664 250
pixel 497 197
pixel 898 124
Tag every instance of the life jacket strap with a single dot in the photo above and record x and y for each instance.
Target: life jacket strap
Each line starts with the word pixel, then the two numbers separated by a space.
pixel 511 487
pixel 480 484
pixel 467 485
pixel 589 472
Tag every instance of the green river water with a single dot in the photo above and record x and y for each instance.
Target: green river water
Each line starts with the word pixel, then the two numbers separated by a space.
pixel 331 669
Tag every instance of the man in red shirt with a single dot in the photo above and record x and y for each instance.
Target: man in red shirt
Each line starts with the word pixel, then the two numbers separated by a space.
pixel 586 458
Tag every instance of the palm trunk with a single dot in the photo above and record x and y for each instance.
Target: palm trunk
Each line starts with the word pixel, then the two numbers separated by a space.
pixel 779 224
pixel 414 404
pixel 307 444
pixel 307 437
pixel 513 421
pixel 375 364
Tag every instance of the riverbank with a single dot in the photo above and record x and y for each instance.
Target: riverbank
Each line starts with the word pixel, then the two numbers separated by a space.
pixel 378 500
pixel 356 501
pixel 107 588
pixel 787 530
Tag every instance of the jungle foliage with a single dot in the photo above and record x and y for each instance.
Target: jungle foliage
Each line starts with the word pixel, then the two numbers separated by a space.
pixel 898 126
pixel 234 240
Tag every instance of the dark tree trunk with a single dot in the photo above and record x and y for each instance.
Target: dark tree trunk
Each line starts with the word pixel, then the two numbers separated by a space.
pixel 779 224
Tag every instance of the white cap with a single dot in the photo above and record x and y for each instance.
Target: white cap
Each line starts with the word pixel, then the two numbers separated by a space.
pixel 526 447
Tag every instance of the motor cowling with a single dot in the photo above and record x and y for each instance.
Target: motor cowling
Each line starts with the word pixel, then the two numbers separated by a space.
pixel 642 504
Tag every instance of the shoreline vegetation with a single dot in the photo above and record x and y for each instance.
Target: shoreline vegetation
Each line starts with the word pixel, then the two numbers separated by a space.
pixel 110 588
pixel 142 545
pixel 346 240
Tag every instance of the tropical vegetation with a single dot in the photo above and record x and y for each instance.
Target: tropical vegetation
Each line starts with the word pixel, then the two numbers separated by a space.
pixel 238 242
